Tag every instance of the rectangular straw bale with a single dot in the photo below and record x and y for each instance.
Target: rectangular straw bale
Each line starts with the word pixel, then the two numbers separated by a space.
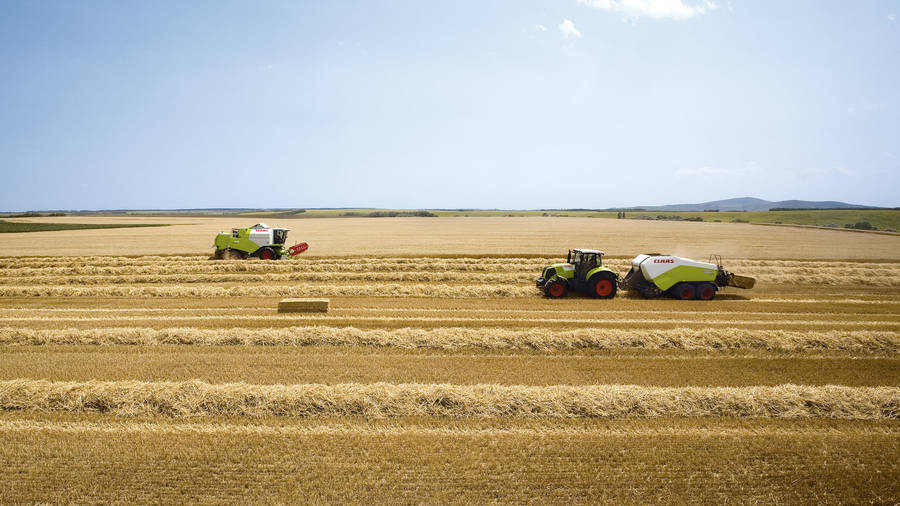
pixel 303 306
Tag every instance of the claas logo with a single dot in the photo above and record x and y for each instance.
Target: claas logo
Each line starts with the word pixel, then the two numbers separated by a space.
pixel 663 261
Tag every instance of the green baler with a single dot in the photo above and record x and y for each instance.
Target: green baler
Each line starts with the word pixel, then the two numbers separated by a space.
pixel 654 274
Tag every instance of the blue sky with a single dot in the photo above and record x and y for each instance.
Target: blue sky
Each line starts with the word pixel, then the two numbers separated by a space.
pixel 410 104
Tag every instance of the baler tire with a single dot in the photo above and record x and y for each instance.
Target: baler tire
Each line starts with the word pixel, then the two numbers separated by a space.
pixel 706 291
pixel 684 291
pixel 267 254
pixel 555 289
pixel 603 287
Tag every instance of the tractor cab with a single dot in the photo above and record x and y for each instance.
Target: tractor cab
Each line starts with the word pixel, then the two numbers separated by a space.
pixel 584 260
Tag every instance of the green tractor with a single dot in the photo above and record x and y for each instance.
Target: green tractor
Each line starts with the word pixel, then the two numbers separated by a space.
pixel 583 272
pixel 259 241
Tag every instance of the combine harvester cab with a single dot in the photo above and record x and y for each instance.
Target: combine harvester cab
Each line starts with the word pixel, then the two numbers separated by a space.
pixel 582 272
pixel 655 274
pixel 260 241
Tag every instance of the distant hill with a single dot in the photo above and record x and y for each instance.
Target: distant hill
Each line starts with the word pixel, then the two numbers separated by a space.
pixel 754 204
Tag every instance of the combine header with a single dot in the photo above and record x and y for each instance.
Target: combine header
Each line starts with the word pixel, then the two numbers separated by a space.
pixel 260 241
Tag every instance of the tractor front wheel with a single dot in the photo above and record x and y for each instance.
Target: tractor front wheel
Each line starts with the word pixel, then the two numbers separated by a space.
pixel 603 287
pixel 267 254
pixel 684 291
pixel 555 289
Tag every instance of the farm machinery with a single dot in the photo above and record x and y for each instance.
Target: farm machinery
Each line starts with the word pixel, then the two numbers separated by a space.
pixel 652 275
pixel 582 272
pixel 259 241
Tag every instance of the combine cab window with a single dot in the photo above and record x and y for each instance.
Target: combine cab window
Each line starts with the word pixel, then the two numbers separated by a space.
pixel 279 236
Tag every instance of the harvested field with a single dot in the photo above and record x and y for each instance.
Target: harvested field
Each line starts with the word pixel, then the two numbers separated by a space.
pixel 439 374
pixel 461 236
pixel 404 460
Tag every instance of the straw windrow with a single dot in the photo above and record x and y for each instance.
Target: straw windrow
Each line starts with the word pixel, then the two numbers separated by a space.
pixel 383 400
pixel 710 339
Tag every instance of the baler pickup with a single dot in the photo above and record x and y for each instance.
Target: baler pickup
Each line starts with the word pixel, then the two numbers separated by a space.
pixel 736 281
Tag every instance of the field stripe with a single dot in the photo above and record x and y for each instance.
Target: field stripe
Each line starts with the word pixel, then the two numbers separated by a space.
pixel 443 274
pixel 325 429
pixel 724 320
pixel 240 311
pixel 185 399
pixel 301 290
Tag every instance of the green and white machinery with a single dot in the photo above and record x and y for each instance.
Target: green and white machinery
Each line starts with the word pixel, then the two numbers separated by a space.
pixel 259 241
pixel 582 272
pixel 654 274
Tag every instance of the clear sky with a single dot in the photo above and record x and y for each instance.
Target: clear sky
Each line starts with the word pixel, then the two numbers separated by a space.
pixel 446 104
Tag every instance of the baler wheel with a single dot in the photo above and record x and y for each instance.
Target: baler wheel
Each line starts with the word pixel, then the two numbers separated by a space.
pixel 706 291
pixel 555 289
pixel 684 291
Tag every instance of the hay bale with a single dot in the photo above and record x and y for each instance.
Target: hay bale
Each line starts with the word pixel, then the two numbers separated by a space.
pixel 303 306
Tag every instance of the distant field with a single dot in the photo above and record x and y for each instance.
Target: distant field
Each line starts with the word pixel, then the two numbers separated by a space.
pixel 11 227
pixel 481 237
pixel 883 219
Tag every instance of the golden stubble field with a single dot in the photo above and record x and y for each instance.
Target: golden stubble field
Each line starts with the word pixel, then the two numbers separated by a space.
pixel 459 236
pixel 134 368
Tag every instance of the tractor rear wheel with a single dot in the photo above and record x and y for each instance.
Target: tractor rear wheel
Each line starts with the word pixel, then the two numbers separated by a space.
pixel 603 287
pixel 684 291
pixel 706 291
pixel 267 254
pixel 555 289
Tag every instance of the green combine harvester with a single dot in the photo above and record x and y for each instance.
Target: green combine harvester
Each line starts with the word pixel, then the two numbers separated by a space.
pixel 652 275
pixel 259 241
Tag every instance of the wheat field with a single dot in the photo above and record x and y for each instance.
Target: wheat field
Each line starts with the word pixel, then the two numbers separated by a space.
pixel 134 368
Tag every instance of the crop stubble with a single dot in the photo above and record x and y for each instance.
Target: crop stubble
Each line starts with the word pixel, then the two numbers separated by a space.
pixel 83 343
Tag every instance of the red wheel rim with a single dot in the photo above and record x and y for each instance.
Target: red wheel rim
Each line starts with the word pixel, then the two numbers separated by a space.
pixel 556 290
pixel 266 255
pixel 687 292
pixel 603 287
pixel 706 293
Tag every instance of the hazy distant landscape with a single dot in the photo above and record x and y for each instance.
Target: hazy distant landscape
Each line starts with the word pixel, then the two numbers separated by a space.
pixel 830 214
